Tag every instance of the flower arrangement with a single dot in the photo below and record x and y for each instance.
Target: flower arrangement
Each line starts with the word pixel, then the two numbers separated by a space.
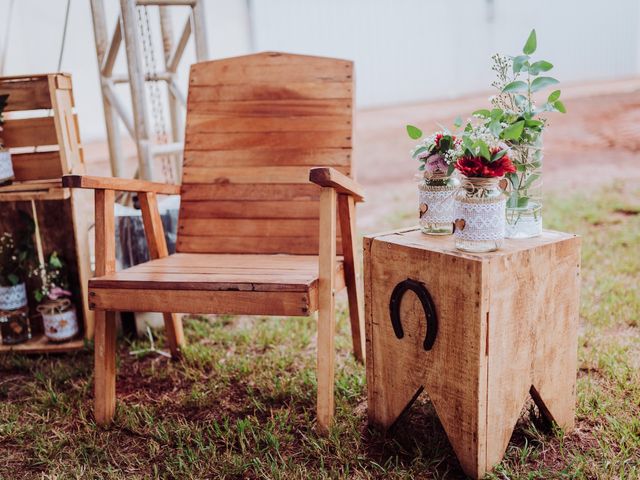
pixel 53 277
pixel 436 152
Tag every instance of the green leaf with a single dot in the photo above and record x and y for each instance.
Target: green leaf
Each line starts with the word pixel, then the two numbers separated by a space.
pixel 54 260
pixel 519 62
pixel 533 123
pixel 414 132
pixel 457 122
pixel 484 150
pixel 532 178
pixel 540 66
pixel 445 143
pixel 520 100
pixel 418 151
pixel 523 202
pixel 495 127
pixel 13 278
pixel 542 82
pixel 516 86
pixel 560 106
pixel 38 296
pixel 483 113
pixel 499 155
pixel 421 167
pixel 555 95
pixel 452 167
pixel 513 132
pixel 532 43
pixel 496 113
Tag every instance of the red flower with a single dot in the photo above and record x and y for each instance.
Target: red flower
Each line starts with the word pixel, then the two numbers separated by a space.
pixel 481 167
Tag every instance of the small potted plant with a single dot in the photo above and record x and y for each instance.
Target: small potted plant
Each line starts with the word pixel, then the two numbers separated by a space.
pixel 58 312
pixel 14 313
pixel 483 161
pixel 437 185
pixel 6 167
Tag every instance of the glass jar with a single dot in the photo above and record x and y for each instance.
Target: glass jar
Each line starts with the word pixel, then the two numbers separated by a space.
pixel 14 326
pixel 436 196
pixel 524 205
pixel 480 215
pixel 13 297
pixel 59 319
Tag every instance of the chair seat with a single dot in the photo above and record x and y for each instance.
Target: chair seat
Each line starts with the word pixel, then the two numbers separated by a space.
pixel 215 283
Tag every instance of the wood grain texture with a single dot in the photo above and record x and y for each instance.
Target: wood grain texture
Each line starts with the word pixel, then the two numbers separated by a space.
pixel 29 132
pixel 330 177
pixel 26 93
pixel 36 166
pixel 347 217
pixel 326 312
pixel 507 327
pixel 118 184
pixel 255 124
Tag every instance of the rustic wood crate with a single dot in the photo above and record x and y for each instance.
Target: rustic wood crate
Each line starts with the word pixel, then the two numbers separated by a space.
pixel 41 130
pixel 503 327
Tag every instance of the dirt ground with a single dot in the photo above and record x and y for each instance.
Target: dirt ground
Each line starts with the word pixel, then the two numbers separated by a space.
pixel 596 142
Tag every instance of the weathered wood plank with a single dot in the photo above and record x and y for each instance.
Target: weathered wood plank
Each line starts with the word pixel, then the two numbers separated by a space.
pixel 36 166
pixel 279 109
pixel 266 192
pixel 249 209
pixel 311 157
pixel 266 140
pixel 26 93
pixel 208 123
pixel 244 244
pixel 243 175
pixel 270 91
pixel 29 132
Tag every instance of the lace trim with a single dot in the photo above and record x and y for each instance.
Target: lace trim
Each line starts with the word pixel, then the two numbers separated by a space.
pixel 480 221
pixel 437 204
pixel 6 168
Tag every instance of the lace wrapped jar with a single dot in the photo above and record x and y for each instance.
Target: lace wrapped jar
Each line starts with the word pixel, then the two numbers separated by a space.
pixel 59 319
pixel 6 167
pixel 524 205
pixel 480 215
pixel 13 297
pixel 437 209
pixel 14 326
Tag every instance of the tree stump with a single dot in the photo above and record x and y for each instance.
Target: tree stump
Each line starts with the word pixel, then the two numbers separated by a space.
pixel 477 332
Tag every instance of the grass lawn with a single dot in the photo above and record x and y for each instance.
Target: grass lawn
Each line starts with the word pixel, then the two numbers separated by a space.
pixel 241 403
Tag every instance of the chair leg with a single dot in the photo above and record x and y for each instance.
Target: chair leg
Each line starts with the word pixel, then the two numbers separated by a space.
pixel 174 332
pixel 105 366
pixel 326 308
pixel 346 209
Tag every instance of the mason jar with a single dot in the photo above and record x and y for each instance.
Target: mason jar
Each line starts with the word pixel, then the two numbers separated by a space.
pixel 436 198
pixel 479 224
pixel 15 327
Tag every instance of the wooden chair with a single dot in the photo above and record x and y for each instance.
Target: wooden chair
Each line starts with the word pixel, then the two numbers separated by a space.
pixel 255 235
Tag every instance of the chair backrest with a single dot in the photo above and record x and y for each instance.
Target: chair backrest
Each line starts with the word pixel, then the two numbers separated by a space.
pixel 41 127
pixel 255 126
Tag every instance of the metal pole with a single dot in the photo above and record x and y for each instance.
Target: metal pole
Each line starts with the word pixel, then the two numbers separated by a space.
pixel 111 122
pixel 200 31
pixel 136 85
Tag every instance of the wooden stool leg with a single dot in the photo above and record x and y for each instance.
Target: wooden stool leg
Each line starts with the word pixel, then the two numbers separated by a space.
pixel 346 207
pixel 105 366
pixel 175 333
pixel 326 310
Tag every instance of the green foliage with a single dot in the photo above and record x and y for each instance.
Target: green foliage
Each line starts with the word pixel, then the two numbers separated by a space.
pixel 532 43
pixel 414 132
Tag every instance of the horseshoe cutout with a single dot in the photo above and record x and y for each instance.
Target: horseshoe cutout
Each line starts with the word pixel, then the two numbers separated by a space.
pixel 427 304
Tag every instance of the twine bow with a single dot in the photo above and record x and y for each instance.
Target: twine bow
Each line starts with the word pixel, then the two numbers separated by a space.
pixel 54 306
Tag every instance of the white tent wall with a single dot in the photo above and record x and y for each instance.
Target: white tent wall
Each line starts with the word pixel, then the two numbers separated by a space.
pixel 405 50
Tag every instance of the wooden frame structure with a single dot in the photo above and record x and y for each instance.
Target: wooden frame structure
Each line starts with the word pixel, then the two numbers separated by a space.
pixel 256 235
pixel 41 130
pixel 138 126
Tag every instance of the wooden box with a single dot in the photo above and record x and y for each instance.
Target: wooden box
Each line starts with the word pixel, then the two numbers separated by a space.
pixel 477 332
pixel 41 131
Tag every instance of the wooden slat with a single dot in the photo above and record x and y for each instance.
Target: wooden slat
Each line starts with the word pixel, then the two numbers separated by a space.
pixel 271 68
pixel 260 227
pixel 243 175
pixel 282 108
pixel 298 245
pixel 250 192
pixel 36 166
pixel 193 301
pixel 249 209
pixel 26 93
pixel 29 132
pixel 207 123
pixel 311 157
pixel 270 91
pixel 265 140
pixel 40 344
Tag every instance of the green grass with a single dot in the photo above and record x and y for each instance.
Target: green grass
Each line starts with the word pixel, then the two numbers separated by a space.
pixel 241 403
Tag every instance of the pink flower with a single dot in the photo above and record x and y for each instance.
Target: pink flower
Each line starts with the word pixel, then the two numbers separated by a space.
pixel 435 164
pixel 57 292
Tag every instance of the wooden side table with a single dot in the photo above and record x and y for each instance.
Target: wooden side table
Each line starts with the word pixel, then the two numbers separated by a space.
pixel 477 332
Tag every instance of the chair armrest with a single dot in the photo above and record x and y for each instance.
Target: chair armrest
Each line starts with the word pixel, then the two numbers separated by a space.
pixel 118 184
pixel 330 177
